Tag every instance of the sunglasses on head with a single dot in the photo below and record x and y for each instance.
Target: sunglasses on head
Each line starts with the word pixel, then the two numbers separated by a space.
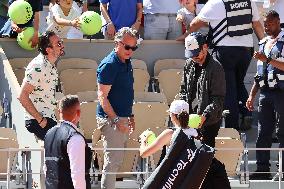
pixel 128 47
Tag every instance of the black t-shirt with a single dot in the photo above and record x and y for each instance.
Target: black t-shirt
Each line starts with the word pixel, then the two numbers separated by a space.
pixel 198 72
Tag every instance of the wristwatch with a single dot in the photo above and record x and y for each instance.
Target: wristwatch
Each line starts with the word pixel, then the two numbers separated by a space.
pixel 115 120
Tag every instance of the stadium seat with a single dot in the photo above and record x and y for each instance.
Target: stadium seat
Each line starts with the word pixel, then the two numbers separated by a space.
pixel 139 64
pixel 8 139
pixel 88 96
pixel 141 80
pixel 72 63
pixel 149 115
pixel 19 66
pixel 88 121
pixel 229 132
pixel 169 83
pixel 166 64
pixel 231 158
pixel 78 80
pixel 20 62
pixel 149 97
pixel 20 74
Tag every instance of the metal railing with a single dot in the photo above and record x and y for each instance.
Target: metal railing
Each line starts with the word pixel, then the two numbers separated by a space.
pixel 144 165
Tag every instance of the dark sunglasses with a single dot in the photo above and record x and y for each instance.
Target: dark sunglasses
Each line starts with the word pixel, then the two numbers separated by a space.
pixel 128 47
pixel 60 43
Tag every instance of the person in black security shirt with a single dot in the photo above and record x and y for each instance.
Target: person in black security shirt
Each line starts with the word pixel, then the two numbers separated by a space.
pixel 67 155
pixel 270 80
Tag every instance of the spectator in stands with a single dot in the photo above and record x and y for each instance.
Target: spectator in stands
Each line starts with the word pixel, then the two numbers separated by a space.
pixel 37 93
pixel 160 19
pixel 188 12
pixel 64 15
pixel 115 94
pixel 179 113
pixel 203 86
pixel 278 5
pixel 3 12
pixel 120 13
pixel 269 79
pixel 75 33
pixel 66 143
pixel 11 29
pixel 232 43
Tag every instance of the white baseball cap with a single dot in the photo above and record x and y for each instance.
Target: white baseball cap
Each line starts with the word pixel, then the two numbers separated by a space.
pixel 193 43
pixel 178 106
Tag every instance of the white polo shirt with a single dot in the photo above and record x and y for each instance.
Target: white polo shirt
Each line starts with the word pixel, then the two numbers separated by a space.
pixel 60 30
pixel 43 75
pixel 214 12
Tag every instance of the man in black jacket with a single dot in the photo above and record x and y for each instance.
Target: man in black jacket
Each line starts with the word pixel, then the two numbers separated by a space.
pixel 67 155
pixel 203 87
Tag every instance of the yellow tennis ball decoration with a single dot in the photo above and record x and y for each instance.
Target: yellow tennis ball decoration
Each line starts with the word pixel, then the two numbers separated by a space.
pixel 24 37
pixel 90 23
pixel 20 12
pixel 151 137
pixel 194 121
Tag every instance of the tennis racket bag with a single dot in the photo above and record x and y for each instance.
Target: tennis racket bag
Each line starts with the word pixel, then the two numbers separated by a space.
pixel 184 166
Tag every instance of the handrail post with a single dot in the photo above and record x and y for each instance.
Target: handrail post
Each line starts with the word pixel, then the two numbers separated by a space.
pixel 8 169
pixel 24 170
pixel 245 174
pixel 42 174
pixel 29 169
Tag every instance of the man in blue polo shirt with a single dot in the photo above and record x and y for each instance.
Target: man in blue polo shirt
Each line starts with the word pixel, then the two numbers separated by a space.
pixel 116 94
pixel 120 13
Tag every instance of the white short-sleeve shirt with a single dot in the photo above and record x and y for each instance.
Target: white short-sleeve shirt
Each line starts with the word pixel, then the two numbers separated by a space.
pixel 189 16
pixel 43 75
pixel 60 30
pixel 214 12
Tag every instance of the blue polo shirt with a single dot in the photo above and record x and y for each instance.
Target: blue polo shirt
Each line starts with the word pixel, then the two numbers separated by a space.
pixel 119 75
pixel 122 13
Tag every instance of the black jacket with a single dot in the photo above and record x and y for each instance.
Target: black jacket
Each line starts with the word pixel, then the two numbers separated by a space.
pixel 211 88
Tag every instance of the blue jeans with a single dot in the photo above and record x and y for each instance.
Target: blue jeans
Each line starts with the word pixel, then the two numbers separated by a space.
pixel 235 62
pixel 3 20
pixel 271 105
